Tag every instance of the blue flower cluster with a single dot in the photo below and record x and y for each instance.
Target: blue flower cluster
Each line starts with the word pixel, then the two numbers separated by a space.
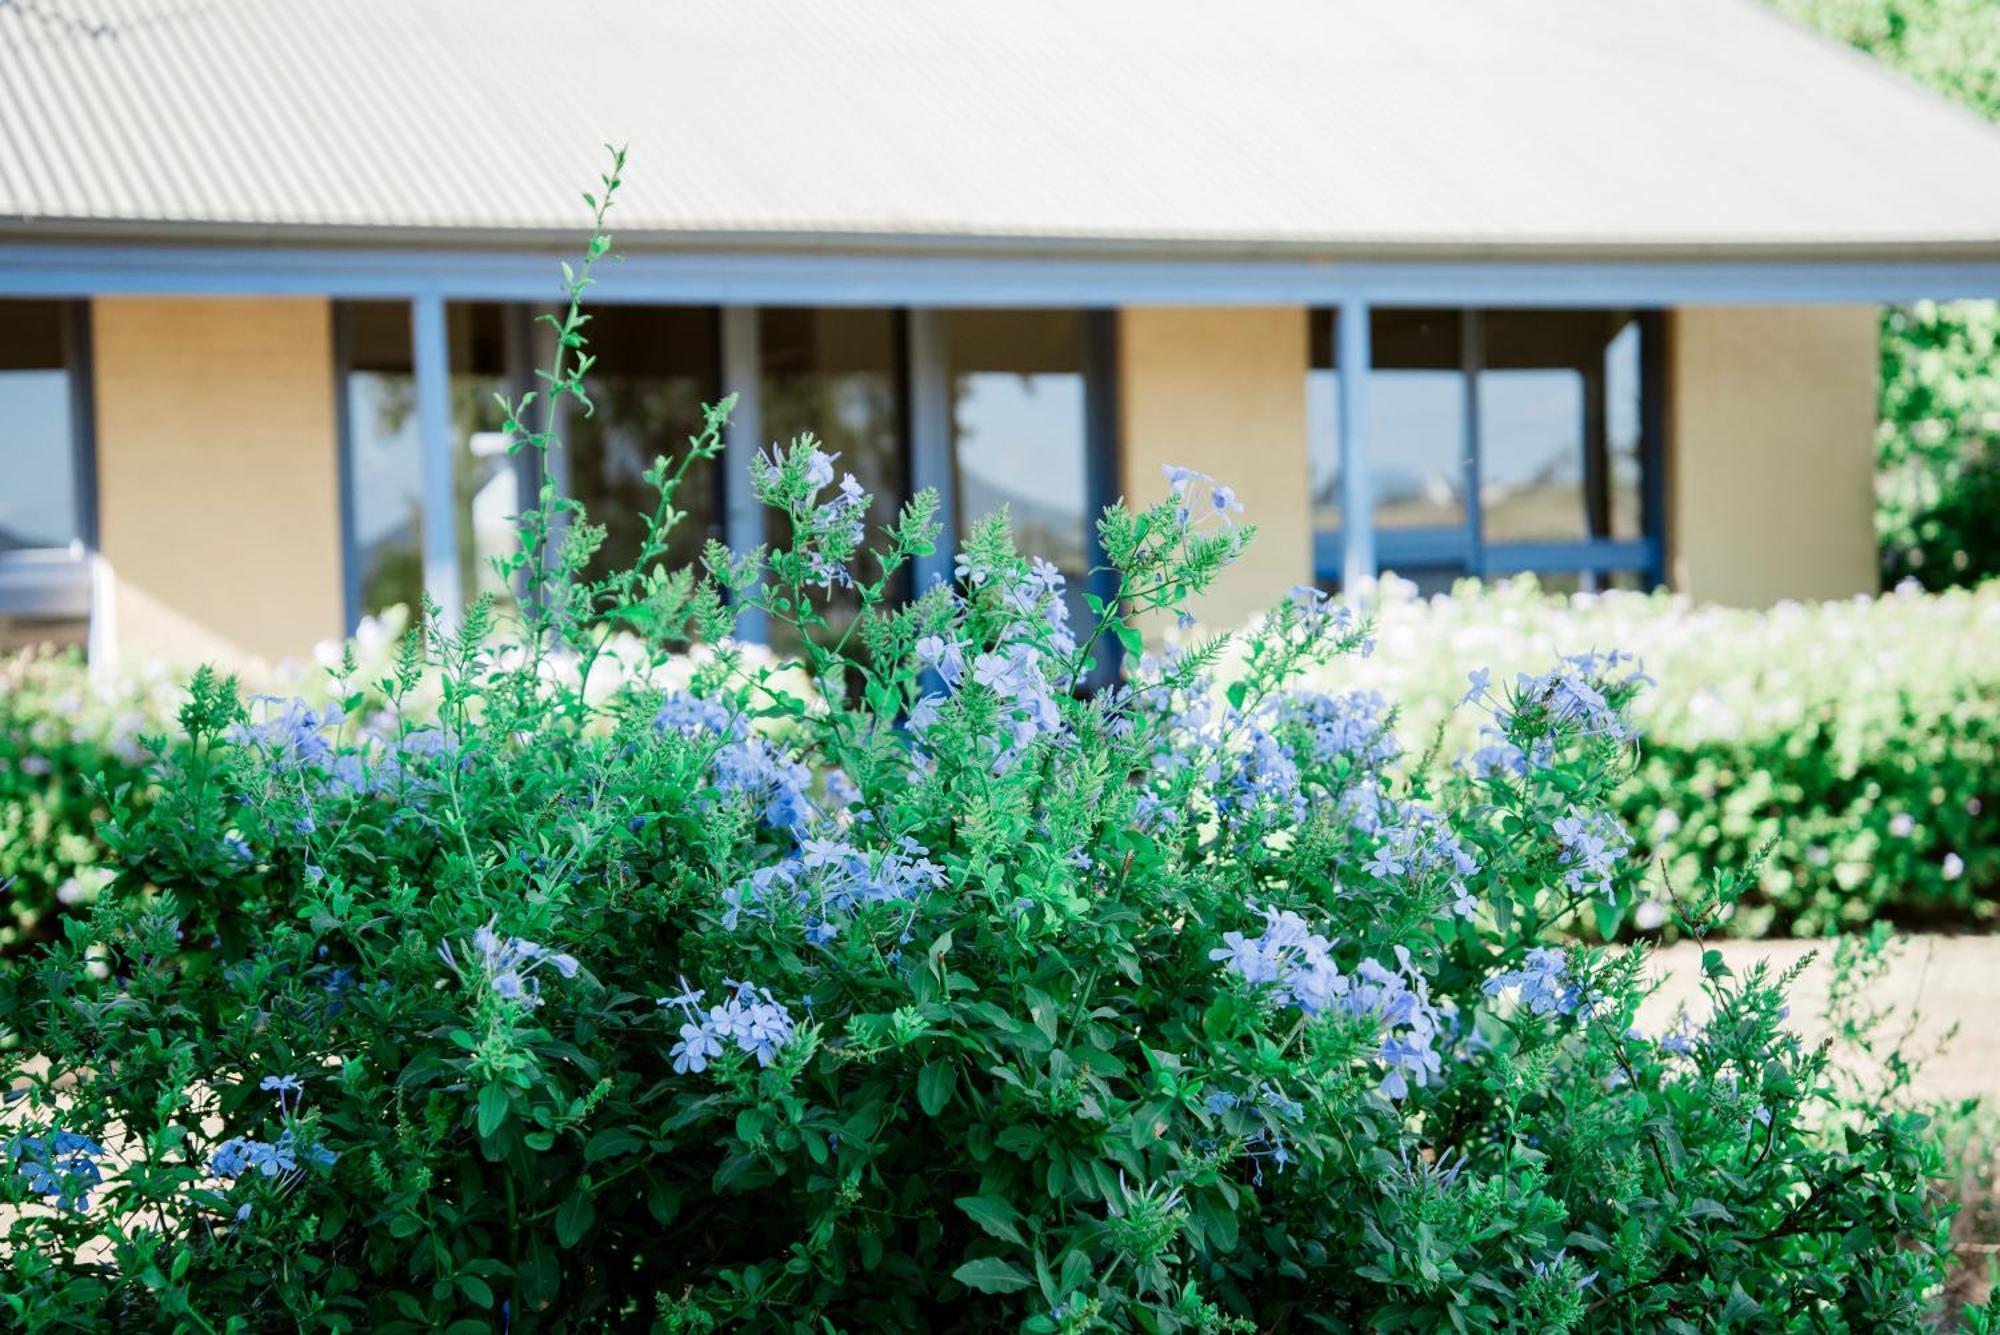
pixel 1298 962
pixel 246 1154
pixel 1418 842
pixel 291 735
pixel 826 533
pixel 1198 496
pixel 829 879
pixel 1352 725
pixel 507 965
pixel 1592 844
pixel 1023 672
pixel 1543 982
pixel 61 1165
pixel 754 1021
pixel 746 765
pixel 1267 1140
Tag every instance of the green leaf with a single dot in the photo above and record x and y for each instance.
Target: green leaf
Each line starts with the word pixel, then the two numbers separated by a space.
pixel 990 1274
pixel 492 1109
pixel 575 1217
pixel 1740 1306
pixel 934 1085
pixel 995 1215
pixel 610 1143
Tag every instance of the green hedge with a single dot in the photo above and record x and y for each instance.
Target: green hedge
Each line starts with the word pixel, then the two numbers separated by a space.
pixel 64 742
pixel 1857 739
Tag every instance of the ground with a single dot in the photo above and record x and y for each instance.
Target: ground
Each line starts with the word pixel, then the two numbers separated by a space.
pixel 1944 981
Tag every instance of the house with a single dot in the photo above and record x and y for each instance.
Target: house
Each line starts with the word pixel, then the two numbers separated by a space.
pixel 1442 286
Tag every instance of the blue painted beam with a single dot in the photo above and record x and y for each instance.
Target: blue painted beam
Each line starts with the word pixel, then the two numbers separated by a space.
pixel 78 269
pixel 1353 361
pixel 431 362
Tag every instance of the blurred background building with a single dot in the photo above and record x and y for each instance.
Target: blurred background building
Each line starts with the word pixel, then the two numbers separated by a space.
pixel 1582 289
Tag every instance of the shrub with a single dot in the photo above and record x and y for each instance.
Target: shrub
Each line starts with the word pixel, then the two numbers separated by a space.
pixel 1852 740
pixel 65 742
pixel 929 993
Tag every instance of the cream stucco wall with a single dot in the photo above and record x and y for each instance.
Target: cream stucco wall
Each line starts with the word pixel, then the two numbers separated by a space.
pixel 1222 390
pixel 1771 455
pixel 218 484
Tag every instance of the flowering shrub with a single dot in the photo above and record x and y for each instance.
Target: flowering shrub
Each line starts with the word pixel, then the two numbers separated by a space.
pixel 1852 741
pixel 928 991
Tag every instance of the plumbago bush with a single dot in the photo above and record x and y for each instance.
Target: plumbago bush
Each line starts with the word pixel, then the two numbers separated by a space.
pixel 929 992
pixel 1837 756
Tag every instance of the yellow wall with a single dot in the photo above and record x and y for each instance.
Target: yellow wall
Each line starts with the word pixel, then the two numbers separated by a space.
pixel 1771 453
pixel 218 479
pixel 1223 391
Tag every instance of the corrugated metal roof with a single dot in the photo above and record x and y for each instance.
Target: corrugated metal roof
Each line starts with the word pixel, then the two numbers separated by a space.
pixel 1442 126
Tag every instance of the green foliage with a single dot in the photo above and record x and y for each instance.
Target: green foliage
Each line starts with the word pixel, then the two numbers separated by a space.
pixel 926 990
pixel 1839 755
pixel 65 742
pixel 1938 495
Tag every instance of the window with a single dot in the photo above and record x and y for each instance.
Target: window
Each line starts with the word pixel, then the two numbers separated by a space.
pixel 1018 428
pixel 1542 416
pixel 1559 426
pixel 656 368
pixel 838 373
pixel 385 457
pixel 45 507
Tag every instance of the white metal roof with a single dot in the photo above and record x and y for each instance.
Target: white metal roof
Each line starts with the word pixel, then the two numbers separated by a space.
pixel 1461 128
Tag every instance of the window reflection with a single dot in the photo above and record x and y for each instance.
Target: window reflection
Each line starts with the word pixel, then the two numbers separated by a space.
pixel 837 374
pixel 1559 431
pixel 1559 426
pixel 1018 428
pixel 1416 415
pixel 38 501
pixel 385 461
pixel 384 464
pixel 656 369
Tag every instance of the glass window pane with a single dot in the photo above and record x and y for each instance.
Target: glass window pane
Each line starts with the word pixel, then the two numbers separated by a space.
pixel 1416 422
pixel 837 374
pixel 1560 426
pixel 38 502
pixel 1018 428
pixel 1323 420
pixel 1624 410
pixel 385 461
pixel 1531 455
pixel 491 486
pixel 656 368
pixel 384 466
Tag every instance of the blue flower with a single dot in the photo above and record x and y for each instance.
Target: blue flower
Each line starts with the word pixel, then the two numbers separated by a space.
pixel 751 1019
pixel 1542 983
pixel 507 964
